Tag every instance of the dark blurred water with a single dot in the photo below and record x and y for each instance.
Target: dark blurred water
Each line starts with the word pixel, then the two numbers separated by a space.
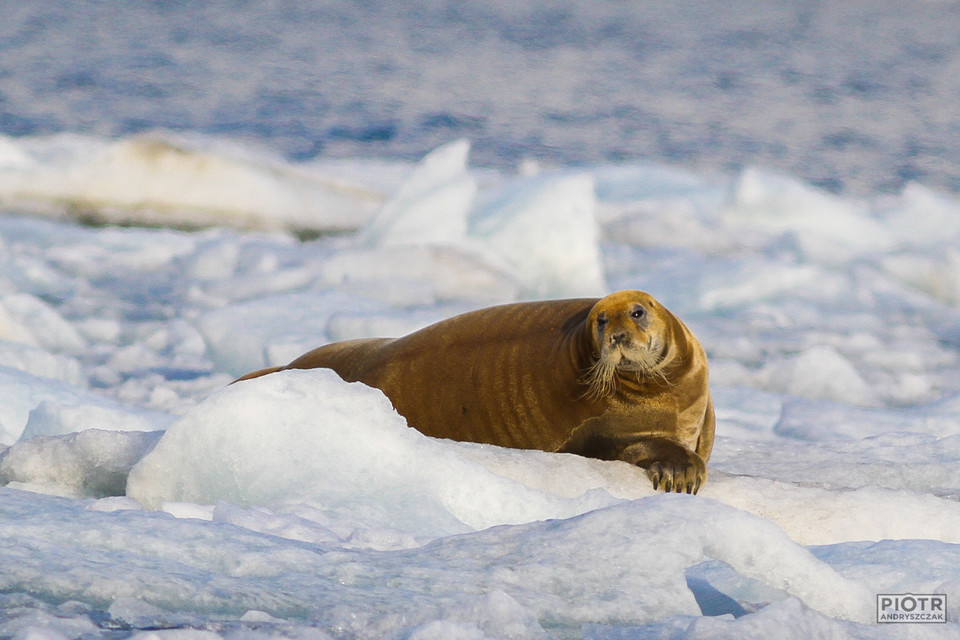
pixel 854 96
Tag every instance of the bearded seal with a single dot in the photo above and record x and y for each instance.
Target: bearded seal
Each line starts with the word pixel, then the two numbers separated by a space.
pixel 616 378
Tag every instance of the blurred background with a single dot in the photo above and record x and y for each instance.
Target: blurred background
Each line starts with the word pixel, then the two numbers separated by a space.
pixel 855 97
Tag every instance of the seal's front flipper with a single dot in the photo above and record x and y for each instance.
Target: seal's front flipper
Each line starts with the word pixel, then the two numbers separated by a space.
pixel 669 464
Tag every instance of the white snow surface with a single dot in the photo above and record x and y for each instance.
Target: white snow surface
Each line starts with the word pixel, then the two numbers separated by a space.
pixel 146 497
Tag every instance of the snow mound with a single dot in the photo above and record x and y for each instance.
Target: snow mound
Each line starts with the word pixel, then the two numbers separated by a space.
pixel 307 438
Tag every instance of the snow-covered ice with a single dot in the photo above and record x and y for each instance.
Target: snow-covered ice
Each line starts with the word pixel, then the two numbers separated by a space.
pixel 184 181
pixel 147 497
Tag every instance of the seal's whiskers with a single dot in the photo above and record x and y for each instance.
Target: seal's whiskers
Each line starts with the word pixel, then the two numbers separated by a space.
pixel 600 378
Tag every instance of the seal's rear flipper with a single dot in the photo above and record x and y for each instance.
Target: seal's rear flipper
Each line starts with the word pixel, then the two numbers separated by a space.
pixel 258 373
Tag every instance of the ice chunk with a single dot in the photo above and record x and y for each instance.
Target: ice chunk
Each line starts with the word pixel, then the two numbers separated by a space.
pixel 745 413
pixel 445 273
pixel 51 418
pixel 312 526
pixel 921 216
pixel 823 421
pixel 654 186
pixel 215 259
pixel 649 205
pixel 936 271
pixel 128 611
pixel 12 156
pixel 38 362
pixel 540 231
pixel 69 408
pixel 115 503
pixel 389 324
pixel 771 202
pixel 902 461
pixel 162 179
pixel 432 205
pixel 827 515
pixel 30 320
pixel 900 566
pixel 544 232
pixel 93 463
pixel 787 616
pixel 821 373
pixel 307 438
pixel 39 624
pixel 493 615
pixel 752 282
pixel 188 510
pixel 12 330
pixel 272 330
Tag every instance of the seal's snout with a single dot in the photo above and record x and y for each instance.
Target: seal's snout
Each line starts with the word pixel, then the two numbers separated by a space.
pixel 620 337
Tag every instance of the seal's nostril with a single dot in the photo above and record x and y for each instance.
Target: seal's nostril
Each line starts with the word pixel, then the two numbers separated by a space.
pixel 618 337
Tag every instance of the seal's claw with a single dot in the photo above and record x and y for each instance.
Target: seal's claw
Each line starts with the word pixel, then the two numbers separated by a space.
pixel 683 471
pixel 655 475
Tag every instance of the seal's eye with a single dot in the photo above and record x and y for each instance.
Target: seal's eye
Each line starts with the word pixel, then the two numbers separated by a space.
pixel 601 320
pixel 638 313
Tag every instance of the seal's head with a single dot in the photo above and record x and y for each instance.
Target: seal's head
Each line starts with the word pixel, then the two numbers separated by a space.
pixel 630 332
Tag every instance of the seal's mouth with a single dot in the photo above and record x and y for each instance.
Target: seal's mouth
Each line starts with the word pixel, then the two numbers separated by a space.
pixel 645 358
pixel 622 357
